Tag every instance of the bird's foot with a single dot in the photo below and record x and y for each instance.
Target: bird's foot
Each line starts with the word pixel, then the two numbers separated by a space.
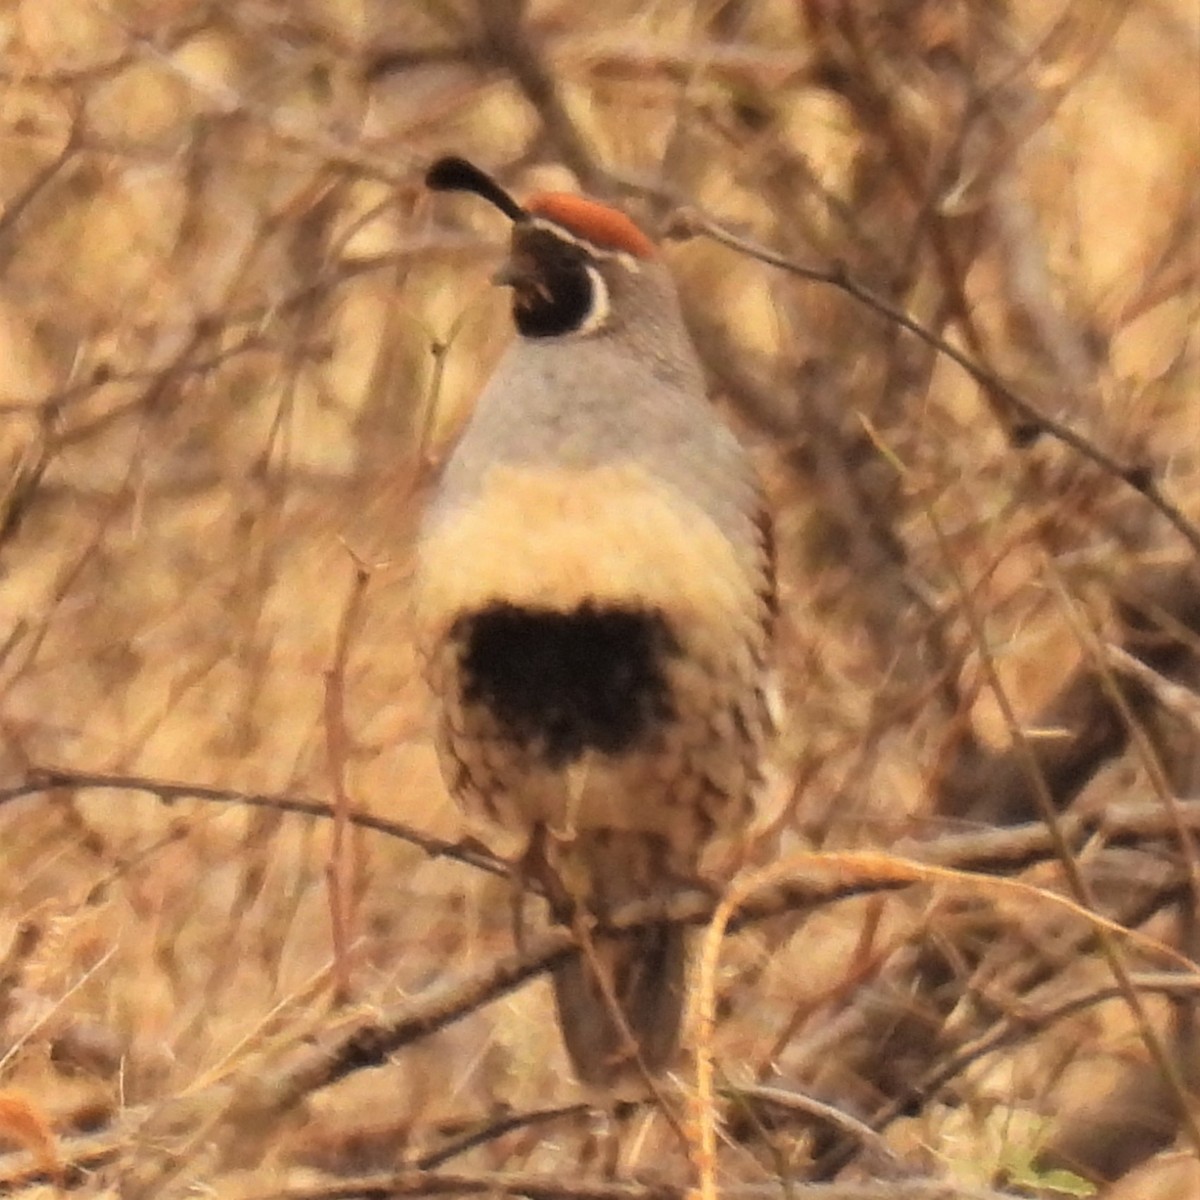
pixel 534 866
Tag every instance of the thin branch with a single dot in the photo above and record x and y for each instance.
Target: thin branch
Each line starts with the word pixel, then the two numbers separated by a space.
pixel 51 779
pixel 555 1187
pixel 1111 949
pixel 1159 613
pixel 812 1107
pixel 1174 697
pixel 275 1090
pixel 802 882
pixel 495 1129
pixel 1138 476
pixel 1020 1024
pixel 302 1069
pixel 339 869
pixel 509 42
pixel 41 180
pixel 1009 849
pixel 1095 649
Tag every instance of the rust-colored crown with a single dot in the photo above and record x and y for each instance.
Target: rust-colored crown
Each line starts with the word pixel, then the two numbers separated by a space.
pixel 604 227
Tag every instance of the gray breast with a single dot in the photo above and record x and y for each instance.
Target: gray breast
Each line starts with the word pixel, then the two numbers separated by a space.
pixel 579 403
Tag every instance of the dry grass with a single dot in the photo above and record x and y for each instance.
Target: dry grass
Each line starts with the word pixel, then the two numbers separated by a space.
pixel 233 329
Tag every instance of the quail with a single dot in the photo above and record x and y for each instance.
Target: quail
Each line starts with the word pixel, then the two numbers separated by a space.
pixel 595 593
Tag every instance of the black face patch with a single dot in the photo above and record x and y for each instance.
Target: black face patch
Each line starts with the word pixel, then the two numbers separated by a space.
pixel 553 294
pixel 591 679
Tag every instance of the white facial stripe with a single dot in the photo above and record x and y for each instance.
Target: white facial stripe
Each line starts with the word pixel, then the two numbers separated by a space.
pixel 627 260
pixel 598 314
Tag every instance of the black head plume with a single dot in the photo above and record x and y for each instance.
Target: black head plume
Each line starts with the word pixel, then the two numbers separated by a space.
pixel 454 174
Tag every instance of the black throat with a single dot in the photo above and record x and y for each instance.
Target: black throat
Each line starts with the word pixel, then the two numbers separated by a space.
pixel 569 682
pixel 554 293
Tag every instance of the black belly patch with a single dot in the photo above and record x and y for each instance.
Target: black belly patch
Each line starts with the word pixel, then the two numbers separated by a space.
pixel 590 679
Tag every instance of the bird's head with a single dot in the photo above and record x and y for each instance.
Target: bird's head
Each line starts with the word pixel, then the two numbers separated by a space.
pixel 571 258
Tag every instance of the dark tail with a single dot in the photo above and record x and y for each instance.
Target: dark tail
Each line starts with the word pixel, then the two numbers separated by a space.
pixel 645 969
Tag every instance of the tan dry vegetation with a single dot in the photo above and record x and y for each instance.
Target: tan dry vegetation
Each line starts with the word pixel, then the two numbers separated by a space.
pixel 233 332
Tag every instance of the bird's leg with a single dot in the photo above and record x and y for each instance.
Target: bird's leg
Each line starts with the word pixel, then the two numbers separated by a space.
pixel 534 864
pixel 529 864
pixel 559 878
pixel 576 778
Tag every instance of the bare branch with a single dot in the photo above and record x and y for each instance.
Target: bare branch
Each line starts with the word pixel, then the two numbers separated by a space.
pixel 545 1187
pixel 1137 476
pixel 340 868
pixel 51 779
pixel 508 42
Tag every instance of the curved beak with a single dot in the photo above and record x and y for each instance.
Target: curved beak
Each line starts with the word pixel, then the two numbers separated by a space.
pixel 519 272
pixel 509 274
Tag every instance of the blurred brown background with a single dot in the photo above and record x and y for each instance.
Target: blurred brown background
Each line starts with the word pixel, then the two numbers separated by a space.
pixel 235 333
